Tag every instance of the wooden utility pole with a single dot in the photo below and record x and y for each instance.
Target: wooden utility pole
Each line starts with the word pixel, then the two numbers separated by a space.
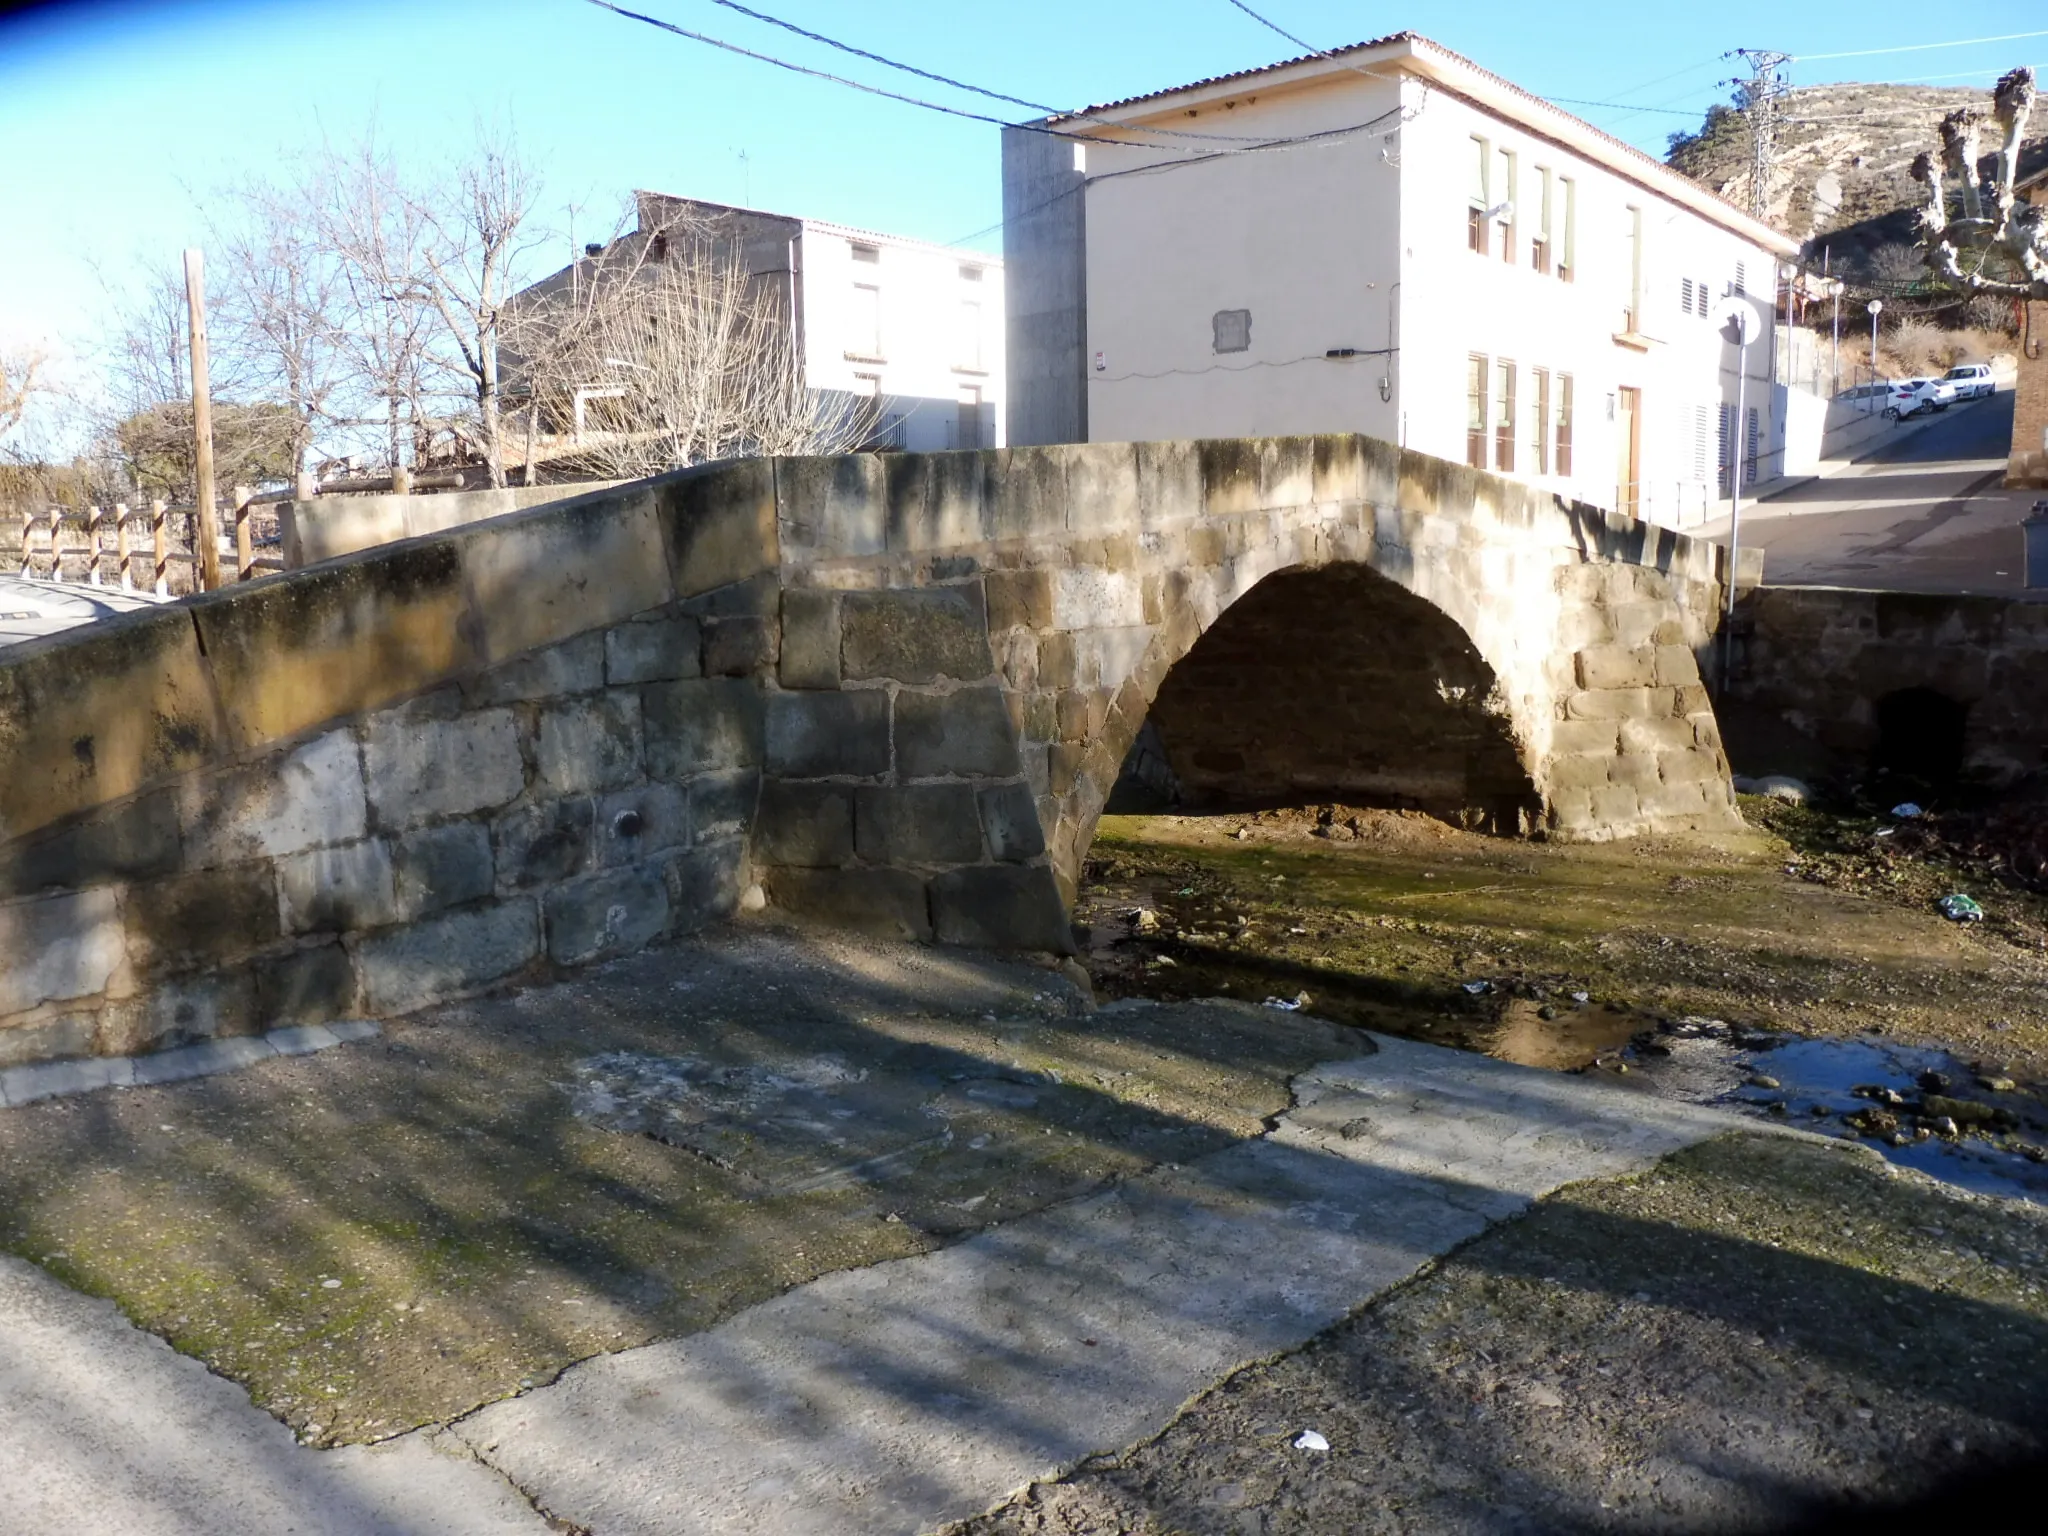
pixel 202 424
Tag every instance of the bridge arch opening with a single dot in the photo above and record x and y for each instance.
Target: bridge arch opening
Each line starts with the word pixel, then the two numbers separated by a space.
pixel 1333 683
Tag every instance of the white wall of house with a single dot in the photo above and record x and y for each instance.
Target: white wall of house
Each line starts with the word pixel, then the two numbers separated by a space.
pixel 1546 326
pixel 920 325
pixel 1358 238
pixel 1304 240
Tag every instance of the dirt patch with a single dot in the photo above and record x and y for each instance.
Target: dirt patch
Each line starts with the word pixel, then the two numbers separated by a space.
pixel 391 1233
pixel 1445 935
pixel 1757 1327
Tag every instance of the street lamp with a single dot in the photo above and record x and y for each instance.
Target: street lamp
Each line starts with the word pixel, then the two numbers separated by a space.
pixel 1876 308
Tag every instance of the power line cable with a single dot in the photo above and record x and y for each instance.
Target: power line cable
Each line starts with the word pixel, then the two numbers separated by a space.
pixel 1272 26
pixel 915 101
pixel 1624 106
pixel 1320 53
pixel 885 62
pixel 1964 42
pixel 1334 355
pixel 818 74
pixel 1269 145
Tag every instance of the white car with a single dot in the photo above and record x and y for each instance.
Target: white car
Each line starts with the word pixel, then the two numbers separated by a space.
pixel 1909 397
pixel 1971 380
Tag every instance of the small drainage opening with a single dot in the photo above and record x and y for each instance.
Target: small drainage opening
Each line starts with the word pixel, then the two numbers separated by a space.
pixel 1920 735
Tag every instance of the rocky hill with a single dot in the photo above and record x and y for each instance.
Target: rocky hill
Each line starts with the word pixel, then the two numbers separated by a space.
pixel 1843 175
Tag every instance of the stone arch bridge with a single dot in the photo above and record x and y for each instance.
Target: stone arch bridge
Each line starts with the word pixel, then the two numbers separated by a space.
pixel 892 690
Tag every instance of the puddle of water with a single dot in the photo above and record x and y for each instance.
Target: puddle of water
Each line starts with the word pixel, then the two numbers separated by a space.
pixel 1922 1108
pixel 1148 938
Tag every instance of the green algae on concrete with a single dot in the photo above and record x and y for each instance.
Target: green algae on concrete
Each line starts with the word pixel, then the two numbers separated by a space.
pixel 391 1233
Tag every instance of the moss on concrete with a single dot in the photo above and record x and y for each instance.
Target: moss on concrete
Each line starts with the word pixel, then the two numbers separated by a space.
pixel 392 1233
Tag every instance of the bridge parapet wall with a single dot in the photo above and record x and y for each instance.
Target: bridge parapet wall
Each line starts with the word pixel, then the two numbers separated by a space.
pixel 890 690
pixel 400 777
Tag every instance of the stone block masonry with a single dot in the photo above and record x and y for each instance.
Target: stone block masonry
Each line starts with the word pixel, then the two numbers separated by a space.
pixel 1831 683
pixel 375 784
pixel 891 694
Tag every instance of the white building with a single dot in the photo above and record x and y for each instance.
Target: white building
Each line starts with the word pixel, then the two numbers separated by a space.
pixel 917 325
pixel 1387 240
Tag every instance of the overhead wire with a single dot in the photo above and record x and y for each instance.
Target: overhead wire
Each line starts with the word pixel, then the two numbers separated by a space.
pixel 1273 26
pixel 887 63
pixel 1339 355
pixel 915 101
pixel 1961 42
pixel 1243 144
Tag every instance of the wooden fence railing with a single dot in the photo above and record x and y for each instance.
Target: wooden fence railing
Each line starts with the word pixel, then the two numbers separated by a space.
pixel 140 548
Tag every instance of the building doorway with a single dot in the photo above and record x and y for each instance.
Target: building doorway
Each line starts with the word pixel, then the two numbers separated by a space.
pixel 1628 470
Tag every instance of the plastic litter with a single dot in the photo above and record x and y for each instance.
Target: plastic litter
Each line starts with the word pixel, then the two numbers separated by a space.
pixel 1309 1440
pixel 1958 908
pixel 1288 1004
pixel 1582 997
pixel 1476 988
pixel 1906 810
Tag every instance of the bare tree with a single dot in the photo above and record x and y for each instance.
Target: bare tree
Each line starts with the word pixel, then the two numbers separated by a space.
pixel 479 231
pixel 666 351
pixel 19 381
pixel 384 323
pixel 277 308
pixel 1999 245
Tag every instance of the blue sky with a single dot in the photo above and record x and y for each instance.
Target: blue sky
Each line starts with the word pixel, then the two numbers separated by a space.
pixel 115 116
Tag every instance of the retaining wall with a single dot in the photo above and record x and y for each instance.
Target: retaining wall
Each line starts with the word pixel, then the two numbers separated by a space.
pixel 327 527
pixel 1811 666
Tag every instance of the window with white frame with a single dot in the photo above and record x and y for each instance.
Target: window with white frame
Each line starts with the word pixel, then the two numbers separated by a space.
pixel 1504 420
pixel 864 321
pixel 1476 369
pixel 1504 199
pixel 1562 435
pixel 967 336
pixel 1632 237
pixel 1568 252
pixel 1476 226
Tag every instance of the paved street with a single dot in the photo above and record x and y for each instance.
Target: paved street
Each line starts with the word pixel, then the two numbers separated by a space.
pixel 1923 514
pixel 29 609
